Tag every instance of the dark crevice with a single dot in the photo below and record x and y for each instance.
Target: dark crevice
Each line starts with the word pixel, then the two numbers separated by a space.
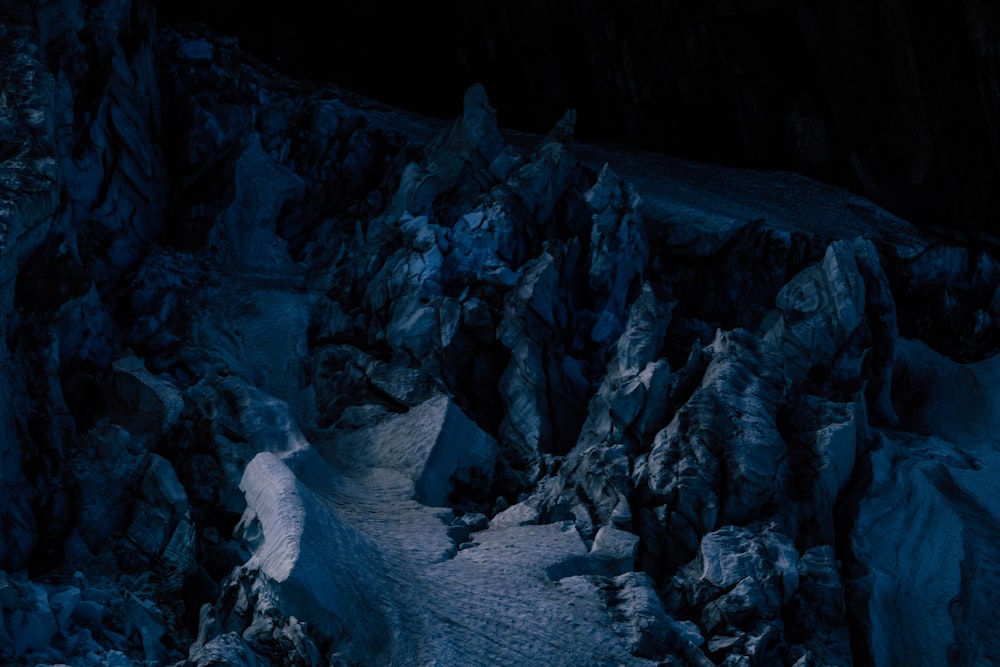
pixel 857 592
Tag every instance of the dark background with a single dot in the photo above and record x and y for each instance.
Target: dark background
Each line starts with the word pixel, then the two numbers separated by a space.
pixel 898 100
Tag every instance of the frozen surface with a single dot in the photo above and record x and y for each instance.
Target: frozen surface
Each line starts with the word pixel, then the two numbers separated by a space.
pixel 928 528
pixel 349 549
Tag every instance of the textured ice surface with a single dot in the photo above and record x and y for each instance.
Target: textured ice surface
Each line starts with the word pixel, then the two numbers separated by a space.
pixel 928 528
pixel 350 550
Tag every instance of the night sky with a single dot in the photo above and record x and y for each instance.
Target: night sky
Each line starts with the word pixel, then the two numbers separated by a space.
pixel 895 100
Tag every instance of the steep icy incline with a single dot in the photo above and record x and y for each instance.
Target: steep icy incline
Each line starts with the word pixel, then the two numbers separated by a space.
pixel 928 528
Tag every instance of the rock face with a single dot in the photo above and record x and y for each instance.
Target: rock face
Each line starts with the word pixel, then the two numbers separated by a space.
pixel 293 378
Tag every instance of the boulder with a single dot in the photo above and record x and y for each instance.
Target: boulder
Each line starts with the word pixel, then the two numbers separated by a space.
pixel 162 530
pixel 641 620
pixel 617 548
pixel 633 393
pixel 737 587
pixel 434 444
pixel 29 623
pixel 831 315
pixel 144 404
pixel 721 458
pixel 228 649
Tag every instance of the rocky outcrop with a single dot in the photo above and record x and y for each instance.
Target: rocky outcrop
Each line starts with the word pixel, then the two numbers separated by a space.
pixel 360 387
pixel 721 459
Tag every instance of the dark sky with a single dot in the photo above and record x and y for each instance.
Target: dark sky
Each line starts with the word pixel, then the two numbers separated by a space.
pixel 896 99
pixel 654 74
